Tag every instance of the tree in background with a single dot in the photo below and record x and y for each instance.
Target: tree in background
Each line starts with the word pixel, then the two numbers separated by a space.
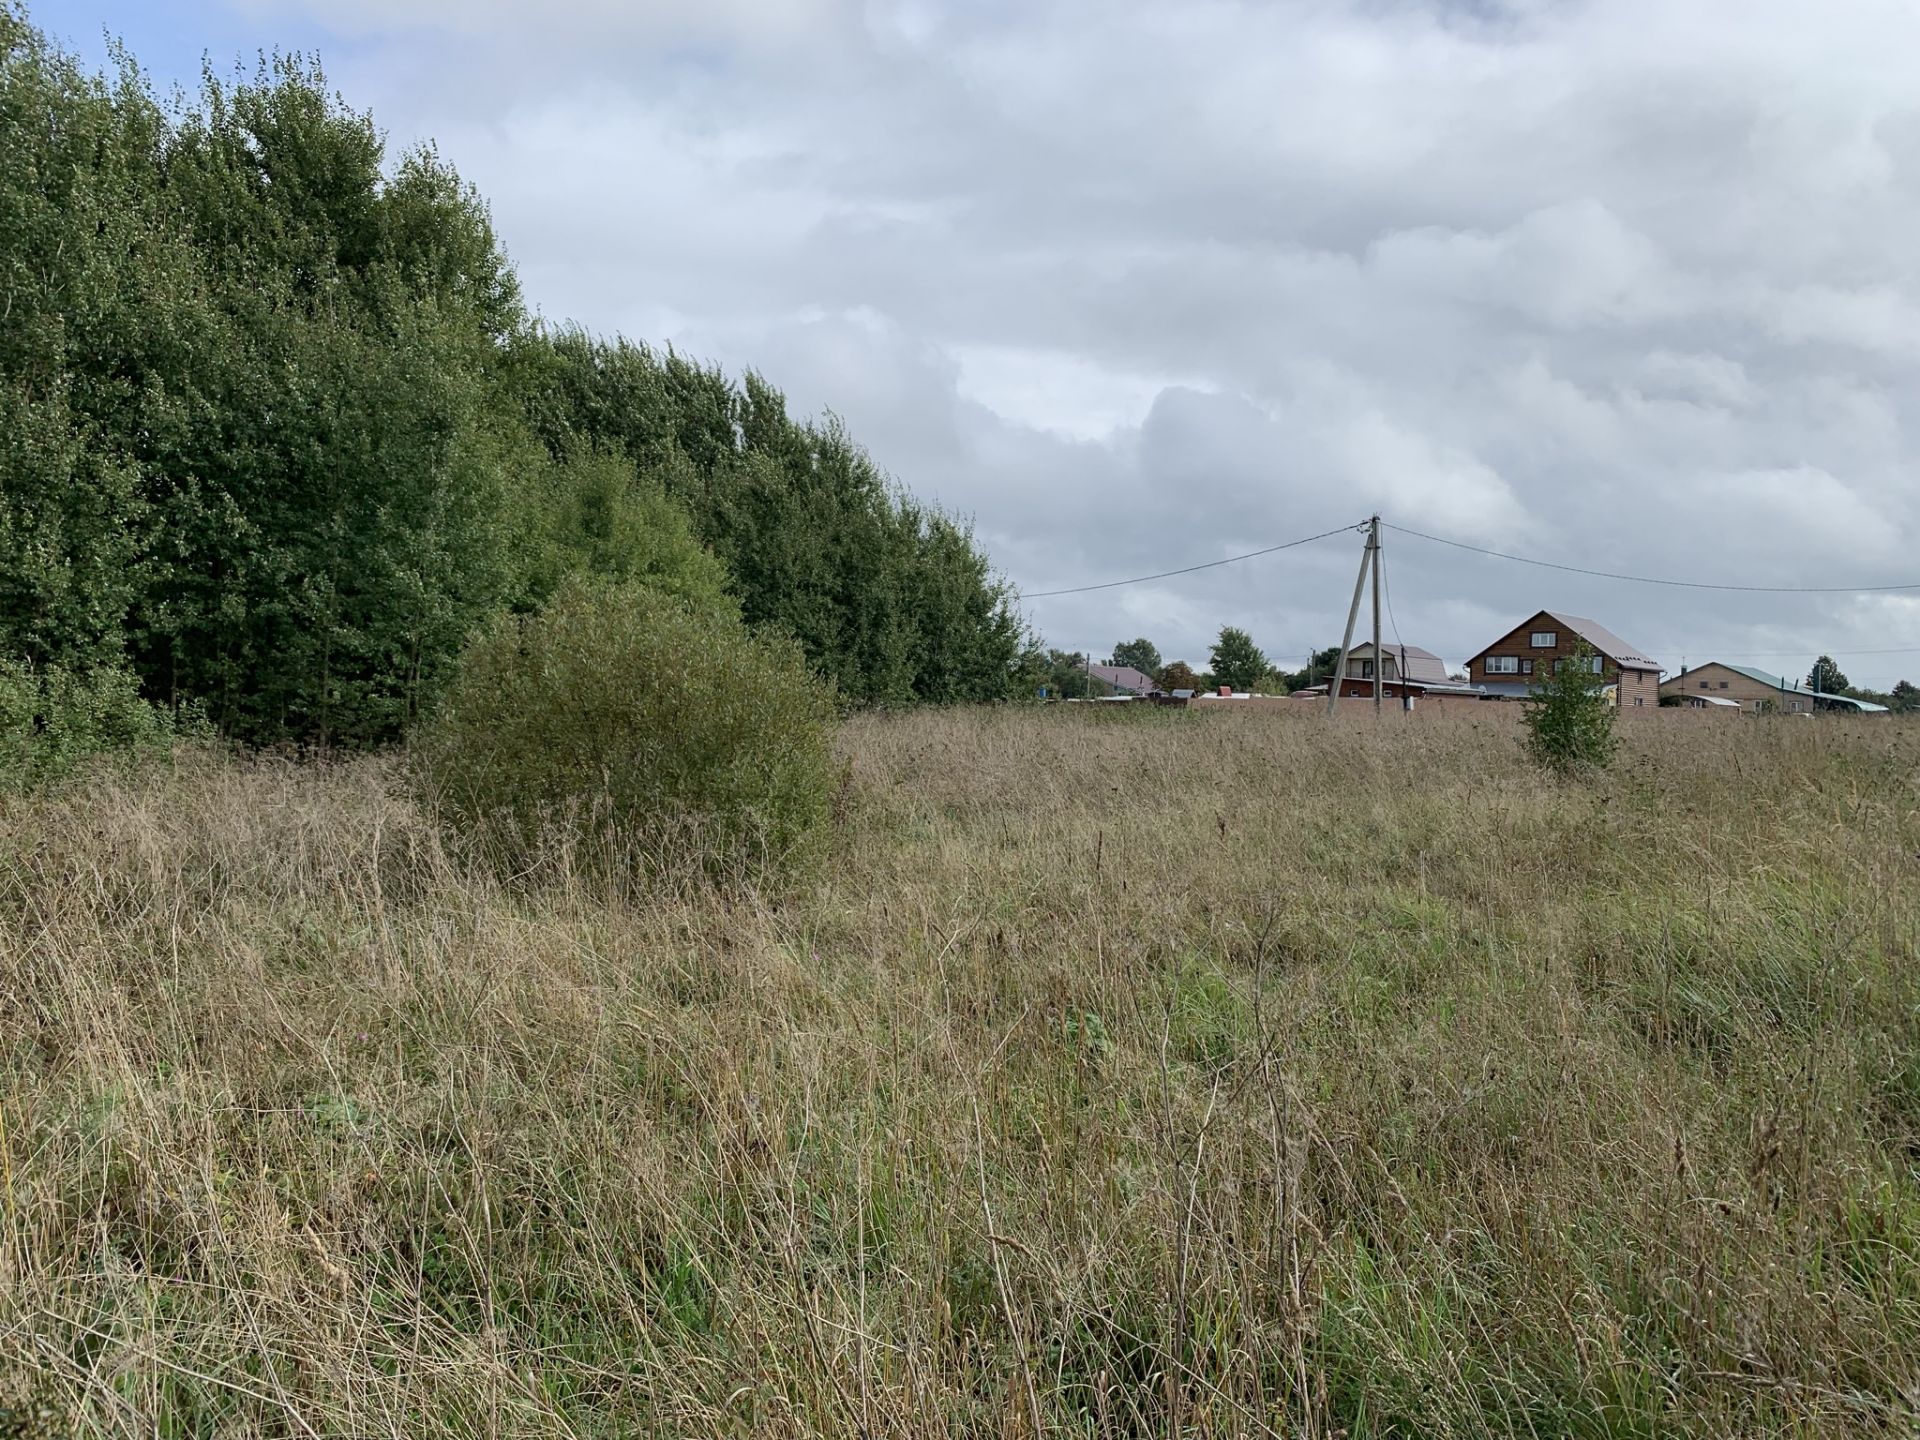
pixel 1141 654
pixel 1177 675
pixel 277 434
pixel 1569 722
pixel 1904 697
pixel 1826 677
pixel 1237 661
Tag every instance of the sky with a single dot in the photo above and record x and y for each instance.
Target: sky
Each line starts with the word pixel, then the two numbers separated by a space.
pixel 1629 285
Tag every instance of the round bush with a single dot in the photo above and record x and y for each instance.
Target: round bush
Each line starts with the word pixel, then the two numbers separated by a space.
pixel 618 712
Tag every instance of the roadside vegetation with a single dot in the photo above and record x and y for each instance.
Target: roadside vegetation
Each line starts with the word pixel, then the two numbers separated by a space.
pixel 1226 1074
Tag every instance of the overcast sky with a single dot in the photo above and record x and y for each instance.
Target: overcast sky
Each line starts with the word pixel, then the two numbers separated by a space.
pixel 1634 284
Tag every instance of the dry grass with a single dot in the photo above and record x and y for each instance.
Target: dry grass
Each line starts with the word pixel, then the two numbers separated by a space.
pixel 1208 1075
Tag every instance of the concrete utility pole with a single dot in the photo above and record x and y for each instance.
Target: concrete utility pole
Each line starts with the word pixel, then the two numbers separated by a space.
pixel 1379 660
pixel 1353 614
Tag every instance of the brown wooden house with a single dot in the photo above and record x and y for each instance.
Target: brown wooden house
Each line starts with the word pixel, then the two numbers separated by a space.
pixel 1535 648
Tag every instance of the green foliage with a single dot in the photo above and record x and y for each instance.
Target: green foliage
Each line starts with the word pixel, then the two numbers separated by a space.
pixel 592 514
pixel 1904 697
pixel 51 719
pixel 622 706
pixel 1318 671
pixel 889 598
pixel 1141 654
pixel 1177 676
pixel 1569 722
pixel 1062 673
pixel 1826 678
pixel 1237 661
pixel 277 435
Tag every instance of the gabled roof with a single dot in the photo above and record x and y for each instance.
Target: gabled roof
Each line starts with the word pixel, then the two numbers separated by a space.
pixel 1792 687
pixel 1418 665
pixel 1122 677
pixel 1605 641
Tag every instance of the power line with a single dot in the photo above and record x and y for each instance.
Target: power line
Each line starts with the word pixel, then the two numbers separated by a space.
pixel 1652 579
pixel 1189 569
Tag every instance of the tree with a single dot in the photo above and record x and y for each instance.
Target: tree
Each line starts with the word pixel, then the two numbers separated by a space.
pixel 1237 661
pixel 1141 654
pixel 1318 670
pixel 1905 697
pixel 1826 678
pixel 1569 722
pixel 1177 676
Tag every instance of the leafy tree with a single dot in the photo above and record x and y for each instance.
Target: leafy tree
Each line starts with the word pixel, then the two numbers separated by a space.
pixel 1237 661
pixel 889 597
pixel 1569 722
pixel 277 435
pixel 1904 697
pixel 1177 676
pixel 1826 677
pixel 1141 654
pixel 1318 671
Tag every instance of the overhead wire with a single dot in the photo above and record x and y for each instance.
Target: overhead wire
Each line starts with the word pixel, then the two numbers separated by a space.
pixel 1190 569
pixel 1652 579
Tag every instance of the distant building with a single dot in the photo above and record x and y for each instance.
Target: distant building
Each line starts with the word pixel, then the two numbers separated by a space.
pixel 1527 654
pixel 1756 691
pixel 1123 679
pixel 1404 670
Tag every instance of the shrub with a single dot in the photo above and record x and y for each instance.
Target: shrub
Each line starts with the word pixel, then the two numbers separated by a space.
pixel 682 735
pixel 52 718
pixel 1569 722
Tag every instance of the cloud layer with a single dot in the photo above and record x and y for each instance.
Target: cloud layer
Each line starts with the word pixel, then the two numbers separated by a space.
pixel 1623 283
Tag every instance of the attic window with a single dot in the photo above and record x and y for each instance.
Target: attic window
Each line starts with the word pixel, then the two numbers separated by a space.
pixel 1545 639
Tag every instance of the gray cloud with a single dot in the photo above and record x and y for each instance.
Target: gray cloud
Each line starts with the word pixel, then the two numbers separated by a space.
pixel 1618 282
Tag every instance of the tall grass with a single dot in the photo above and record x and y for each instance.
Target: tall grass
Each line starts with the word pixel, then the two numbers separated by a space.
pixel 1217 1075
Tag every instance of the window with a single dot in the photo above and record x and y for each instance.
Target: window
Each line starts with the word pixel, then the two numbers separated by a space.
pixel 1545 639
pixel 1526 667
pixel 1704 685
pixel 1366 669
pixel 1639 699
pixel 1796 704
pixel 1505 665
pixel 1723 684
pixel 1593 665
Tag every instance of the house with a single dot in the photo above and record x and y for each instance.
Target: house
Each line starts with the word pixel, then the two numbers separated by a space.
pixel 1405 670
pixel 1539 646
pixel 1755 691
pixel 1123 679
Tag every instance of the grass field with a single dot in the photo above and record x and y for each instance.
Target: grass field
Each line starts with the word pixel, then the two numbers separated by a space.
pixel 1122 1075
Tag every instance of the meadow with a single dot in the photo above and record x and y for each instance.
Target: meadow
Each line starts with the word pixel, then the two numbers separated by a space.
pixel 1116 1074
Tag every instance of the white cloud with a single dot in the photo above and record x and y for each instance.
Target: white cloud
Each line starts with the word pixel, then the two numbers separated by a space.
pixel 1621 282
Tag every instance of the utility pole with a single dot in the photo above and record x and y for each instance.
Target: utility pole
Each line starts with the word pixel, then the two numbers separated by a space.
pixel 1353 613
pixel 1379 660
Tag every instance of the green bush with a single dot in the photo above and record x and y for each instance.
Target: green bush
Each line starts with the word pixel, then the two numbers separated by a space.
pixel 51 719
pixel 619 714
pixel 1569 722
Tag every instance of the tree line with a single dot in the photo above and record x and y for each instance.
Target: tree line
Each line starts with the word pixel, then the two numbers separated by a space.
pixel 278 434
pixel 1233 660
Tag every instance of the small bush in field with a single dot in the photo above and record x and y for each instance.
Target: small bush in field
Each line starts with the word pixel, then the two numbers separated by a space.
pixel 52 719
pixel 1569 722
pixel 619 709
